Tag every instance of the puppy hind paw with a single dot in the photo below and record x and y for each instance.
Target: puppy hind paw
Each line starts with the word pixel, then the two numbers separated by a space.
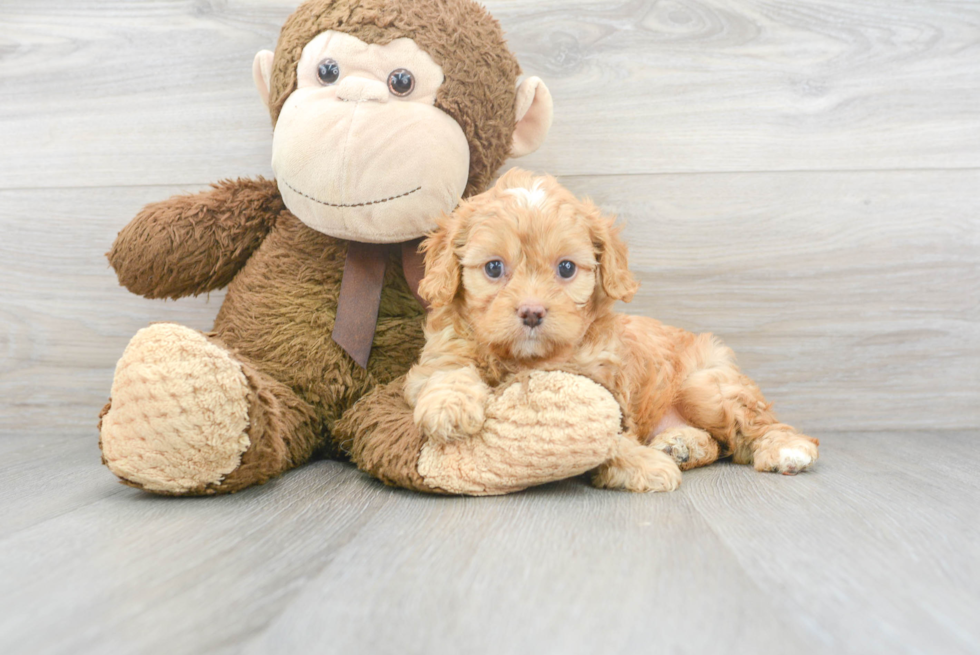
pixel 639 469
pixel 793 460
pixel 678 450
pixel 674 443
pixel 785 452
pixel 688 446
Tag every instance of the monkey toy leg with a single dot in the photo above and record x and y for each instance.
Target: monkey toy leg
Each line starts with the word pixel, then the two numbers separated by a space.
pixel 188 417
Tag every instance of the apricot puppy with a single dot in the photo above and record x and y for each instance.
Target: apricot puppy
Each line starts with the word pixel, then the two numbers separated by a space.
pixel 524 276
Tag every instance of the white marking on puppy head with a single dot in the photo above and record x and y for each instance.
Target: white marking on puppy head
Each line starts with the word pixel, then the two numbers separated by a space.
pixel 533 197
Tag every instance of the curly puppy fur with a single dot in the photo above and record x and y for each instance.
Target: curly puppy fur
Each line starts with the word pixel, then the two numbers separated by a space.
pixel 524 277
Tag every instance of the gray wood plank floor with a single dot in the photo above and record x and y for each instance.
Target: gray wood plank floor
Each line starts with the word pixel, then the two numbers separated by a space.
pixel 800 177
pixel 876 551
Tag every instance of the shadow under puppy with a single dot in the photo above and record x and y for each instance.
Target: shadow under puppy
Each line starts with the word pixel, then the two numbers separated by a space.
pixel 523 277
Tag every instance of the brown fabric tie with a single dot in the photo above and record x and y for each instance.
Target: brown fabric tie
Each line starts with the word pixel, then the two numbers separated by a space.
pixel 360 293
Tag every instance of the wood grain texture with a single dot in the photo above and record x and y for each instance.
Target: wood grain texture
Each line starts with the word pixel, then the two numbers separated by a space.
pixel 874 552
pixel 853 299
pixel 856 564
pixel 64 319
pixel 799 177
pixel 159 91
pixel 45 477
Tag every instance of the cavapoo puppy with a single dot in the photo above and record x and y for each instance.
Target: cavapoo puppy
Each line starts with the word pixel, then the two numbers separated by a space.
pixel 524 277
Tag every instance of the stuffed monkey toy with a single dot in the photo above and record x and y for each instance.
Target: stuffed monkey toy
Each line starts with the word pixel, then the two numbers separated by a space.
pixel 386 113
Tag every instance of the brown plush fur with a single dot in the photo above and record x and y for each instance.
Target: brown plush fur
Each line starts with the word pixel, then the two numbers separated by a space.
pixel 276 320
pixel 476 335
pixel 283 277
pixel 279 312
pixel 281 432
pixel 466 41
pixel 192 244
pixel 382 439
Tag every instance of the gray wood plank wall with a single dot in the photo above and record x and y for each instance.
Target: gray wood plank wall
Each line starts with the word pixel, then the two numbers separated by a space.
pixel 799 177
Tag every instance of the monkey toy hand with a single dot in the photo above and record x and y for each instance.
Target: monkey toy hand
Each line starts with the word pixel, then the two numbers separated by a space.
pixel 544 426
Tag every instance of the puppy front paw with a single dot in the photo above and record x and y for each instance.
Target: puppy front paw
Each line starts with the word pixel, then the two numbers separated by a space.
pixel 449 404
pixel 638 468
pixel 450 414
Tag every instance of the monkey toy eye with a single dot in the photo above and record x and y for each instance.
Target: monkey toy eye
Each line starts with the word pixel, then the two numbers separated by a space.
pixel 401 82
pixel 494 269
pixel 327 71
pixel 566 269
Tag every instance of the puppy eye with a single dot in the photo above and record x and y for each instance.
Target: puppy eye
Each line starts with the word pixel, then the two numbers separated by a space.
pixel 401 82
pixel 494 269
pixel 328 72
pixel 566 269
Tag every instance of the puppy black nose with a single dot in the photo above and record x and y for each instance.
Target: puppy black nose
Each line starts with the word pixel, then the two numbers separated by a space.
pixel 532 315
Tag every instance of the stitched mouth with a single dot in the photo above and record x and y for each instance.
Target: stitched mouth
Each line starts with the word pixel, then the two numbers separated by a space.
pixel 356 204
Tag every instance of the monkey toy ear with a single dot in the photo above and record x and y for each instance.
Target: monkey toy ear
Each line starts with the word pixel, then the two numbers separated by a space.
pixel 534 111
pixel 262 73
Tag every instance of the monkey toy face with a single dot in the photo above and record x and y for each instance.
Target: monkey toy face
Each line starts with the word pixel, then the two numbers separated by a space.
pixel 360 151
pixel 381 125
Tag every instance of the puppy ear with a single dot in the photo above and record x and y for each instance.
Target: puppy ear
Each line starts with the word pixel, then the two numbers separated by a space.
pixel 614 272
pixel 442 271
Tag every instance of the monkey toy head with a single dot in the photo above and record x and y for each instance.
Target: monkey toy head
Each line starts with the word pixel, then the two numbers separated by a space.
pixel 388 112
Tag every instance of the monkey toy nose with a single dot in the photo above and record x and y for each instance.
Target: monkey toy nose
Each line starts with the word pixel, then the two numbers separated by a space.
pixel 360 89
pixel 531 315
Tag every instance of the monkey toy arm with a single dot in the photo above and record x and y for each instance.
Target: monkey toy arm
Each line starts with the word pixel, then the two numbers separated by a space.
pixel 194 243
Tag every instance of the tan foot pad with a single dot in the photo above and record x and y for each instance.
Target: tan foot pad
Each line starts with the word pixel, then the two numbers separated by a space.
pixel 179 411
pixel 554 426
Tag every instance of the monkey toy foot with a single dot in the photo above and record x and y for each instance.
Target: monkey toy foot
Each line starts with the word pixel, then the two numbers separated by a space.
pixel 179 412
